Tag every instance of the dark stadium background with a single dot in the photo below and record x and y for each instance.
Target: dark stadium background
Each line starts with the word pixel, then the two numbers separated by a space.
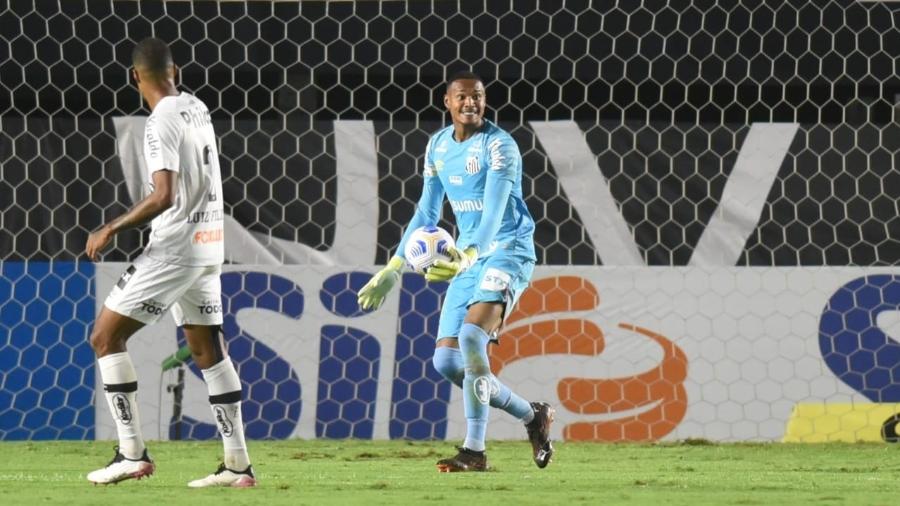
pixel 699 73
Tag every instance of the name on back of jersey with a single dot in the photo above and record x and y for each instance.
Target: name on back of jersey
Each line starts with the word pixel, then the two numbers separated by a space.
pixel 205 216
pixel 196 116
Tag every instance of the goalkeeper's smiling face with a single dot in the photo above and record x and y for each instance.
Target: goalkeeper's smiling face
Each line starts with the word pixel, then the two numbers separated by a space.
pixel 465 100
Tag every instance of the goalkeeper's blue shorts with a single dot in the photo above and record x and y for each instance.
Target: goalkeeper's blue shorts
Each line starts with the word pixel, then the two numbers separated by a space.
pixel 500 277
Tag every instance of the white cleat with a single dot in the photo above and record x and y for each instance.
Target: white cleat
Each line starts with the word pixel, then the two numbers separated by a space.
pixel 224 477
pixel 121 469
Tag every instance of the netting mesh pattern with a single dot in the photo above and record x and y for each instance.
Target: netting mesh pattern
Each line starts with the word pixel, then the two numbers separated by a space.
pixel 771 123
pixel 46 363
pixel 663 94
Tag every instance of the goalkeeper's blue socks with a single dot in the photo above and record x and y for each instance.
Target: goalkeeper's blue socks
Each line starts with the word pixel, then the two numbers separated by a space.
pixel 449 362
pixel 481 389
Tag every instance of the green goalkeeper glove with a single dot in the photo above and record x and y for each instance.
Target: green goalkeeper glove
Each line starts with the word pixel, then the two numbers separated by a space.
pixel 373 293
pixel 443 270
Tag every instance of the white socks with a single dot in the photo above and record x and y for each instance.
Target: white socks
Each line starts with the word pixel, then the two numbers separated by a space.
pixel 225 399
pixel 120 383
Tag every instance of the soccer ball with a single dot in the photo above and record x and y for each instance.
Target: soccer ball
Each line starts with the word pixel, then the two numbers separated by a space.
pixel 425 246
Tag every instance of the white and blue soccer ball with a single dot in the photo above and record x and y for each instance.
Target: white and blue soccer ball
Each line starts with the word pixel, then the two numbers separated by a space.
pixel 427 245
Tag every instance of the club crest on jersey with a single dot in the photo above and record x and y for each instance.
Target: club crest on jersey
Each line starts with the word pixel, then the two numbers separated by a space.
pixel 472 165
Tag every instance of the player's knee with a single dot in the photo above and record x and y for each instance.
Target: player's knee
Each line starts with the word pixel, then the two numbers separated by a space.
pixel 473 345
pixel 207 348
pixel 201 360
pixel 205 356
pixel 472 337
pixel 448 362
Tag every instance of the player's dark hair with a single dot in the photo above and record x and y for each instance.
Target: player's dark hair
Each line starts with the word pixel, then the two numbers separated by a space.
pixel 461 75
pixel 153 56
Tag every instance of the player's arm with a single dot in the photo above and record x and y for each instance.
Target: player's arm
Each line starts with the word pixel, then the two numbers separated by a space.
pixel 428 212
pixel 162 198
pixel 162 136
pixel 504 162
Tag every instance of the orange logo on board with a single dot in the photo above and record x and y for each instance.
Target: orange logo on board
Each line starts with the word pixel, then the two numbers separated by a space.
pixel 658 394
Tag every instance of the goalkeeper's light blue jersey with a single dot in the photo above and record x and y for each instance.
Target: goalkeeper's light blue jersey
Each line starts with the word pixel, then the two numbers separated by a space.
pixel 482 178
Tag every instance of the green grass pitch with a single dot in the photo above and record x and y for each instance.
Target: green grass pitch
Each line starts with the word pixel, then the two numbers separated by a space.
pixel 398 472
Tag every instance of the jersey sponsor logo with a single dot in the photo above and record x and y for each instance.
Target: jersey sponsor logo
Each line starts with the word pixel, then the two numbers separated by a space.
pixel 495 280
pixel 208 236
pixel 126 277
pixel 153 307
pixel 226 426
pixel 205 216
pixel 472 165
pixel 209 308
pixel 122 409
pixel 442 148
pixel 456 180
pixel 152 140
pixel 495 154
pixel 465 206
pixel 475 149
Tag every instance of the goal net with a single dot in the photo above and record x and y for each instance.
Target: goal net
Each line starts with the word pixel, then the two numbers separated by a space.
pixel 714 186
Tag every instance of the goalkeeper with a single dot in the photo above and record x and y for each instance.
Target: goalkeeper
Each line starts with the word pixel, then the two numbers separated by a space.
pixel 478 166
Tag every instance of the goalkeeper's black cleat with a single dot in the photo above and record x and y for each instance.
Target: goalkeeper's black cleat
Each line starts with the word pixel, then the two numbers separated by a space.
pixel 465 460
pixel 539 433
pixel 121 468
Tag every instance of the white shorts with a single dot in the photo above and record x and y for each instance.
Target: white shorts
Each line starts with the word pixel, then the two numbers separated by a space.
pixel 148 288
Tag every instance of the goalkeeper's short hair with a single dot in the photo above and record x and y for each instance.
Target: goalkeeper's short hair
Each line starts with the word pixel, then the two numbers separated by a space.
pixel 461 75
